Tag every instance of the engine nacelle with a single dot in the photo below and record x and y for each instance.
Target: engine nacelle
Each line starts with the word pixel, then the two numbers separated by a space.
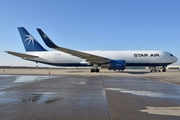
pixel 115 65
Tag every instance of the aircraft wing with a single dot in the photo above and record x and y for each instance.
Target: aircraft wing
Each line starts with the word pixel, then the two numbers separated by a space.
pixel 89 57
pixel 21 55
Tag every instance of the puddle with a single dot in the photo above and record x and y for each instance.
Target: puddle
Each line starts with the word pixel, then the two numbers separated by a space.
pixel 33 97
pixel 41 97
pixel 81 83
pixel 3 93
pixel 44 93
pixel 32 78
pixel 146 93
pixel 54 100
pixel 6 98
pixel 5 75
pixel 170 111
pixel 4 87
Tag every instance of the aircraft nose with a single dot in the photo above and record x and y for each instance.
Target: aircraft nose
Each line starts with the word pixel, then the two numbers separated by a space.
pixel 175 59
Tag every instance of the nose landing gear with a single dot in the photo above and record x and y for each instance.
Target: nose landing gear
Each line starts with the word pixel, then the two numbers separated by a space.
pixel 157 69
pixel 163 69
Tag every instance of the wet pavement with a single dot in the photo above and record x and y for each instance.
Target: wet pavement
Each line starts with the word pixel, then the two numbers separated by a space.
pixel 86 96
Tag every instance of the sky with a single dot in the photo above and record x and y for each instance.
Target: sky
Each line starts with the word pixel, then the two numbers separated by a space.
pixel 91 25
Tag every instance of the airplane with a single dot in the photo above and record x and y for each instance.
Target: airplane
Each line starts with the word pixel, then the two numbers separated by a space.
pixel 113 60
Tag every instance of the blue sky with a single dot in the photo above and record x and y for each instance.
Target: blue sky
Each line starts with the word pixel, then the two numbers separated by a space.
pixel 91 25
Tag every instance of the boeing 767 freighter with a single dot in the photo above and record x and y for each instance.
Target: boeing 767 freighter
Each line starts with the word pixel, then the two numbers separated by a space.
pixel 113 60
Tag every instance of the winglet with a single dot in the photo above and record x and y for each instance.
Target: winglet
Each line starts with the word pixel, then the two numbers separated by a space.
pixel 46 39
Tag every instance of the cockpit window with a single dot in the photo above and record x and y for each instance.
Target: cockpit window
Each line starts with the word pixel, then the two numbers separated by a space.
pixel 171 55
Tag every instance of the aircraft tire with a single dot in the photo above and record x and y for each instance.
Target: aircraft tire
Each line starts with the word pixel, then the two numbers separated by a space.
pixel 93 70
pixel 97 70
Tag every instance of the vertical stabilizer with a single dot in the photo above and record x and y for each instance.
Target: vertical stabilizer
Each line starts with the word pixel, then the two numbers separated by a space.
pixel 30 43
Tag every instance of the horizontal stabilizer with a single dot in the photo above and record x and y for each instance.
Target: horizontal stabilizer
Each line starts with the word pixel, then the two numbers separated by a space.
pixel 21 55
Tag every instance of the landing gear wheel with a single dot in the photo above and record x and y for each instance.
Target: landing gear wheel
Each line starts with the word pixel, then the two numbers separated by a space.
pixel 97 70
pixel 93 70
pixel 164 69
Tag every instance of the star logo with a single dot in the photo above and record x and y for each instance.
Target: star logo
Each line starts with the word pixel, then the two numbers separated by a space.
pixel 30 39
pixel 45 36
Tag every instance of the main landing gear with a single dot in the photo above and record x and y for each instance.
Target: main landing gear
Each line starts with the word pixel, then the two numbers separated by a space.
pixel 95 68
pixel 157 69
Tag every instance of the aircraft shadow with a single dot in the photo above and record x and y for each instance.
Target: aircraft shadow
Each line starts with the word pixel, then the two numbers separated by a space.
pixel 138 72
pixel 135 72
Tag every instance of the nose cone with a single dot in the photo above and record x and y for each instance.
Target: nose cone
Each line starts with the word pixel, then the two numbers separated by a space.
pixel 175 59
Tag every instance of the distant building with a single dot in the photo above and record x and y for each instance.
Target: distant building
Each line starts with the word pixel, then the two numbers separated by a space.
pixel 173 67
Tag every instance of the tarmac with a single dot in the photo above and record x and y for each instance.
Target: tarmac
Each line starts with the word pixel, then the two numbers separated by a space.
pixel 77 94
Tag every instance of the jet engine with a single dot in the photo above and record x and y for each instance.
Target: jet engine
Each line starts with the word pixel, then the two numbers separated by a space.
pixel 115 65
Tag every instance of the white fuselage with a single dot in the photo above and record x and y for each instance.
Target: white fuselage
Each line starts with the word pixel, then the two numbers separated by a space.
pixel 132 58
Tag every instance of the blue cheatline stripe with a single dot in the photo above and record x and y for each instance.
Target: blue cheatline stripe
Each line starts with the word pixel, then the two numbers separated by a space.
pixel 147 64
pixel 63 64
pixel 84 64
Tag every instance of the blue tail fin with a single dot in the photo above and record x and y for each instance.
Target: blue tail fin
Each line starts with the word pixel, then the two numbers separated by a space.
pixel 30 43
